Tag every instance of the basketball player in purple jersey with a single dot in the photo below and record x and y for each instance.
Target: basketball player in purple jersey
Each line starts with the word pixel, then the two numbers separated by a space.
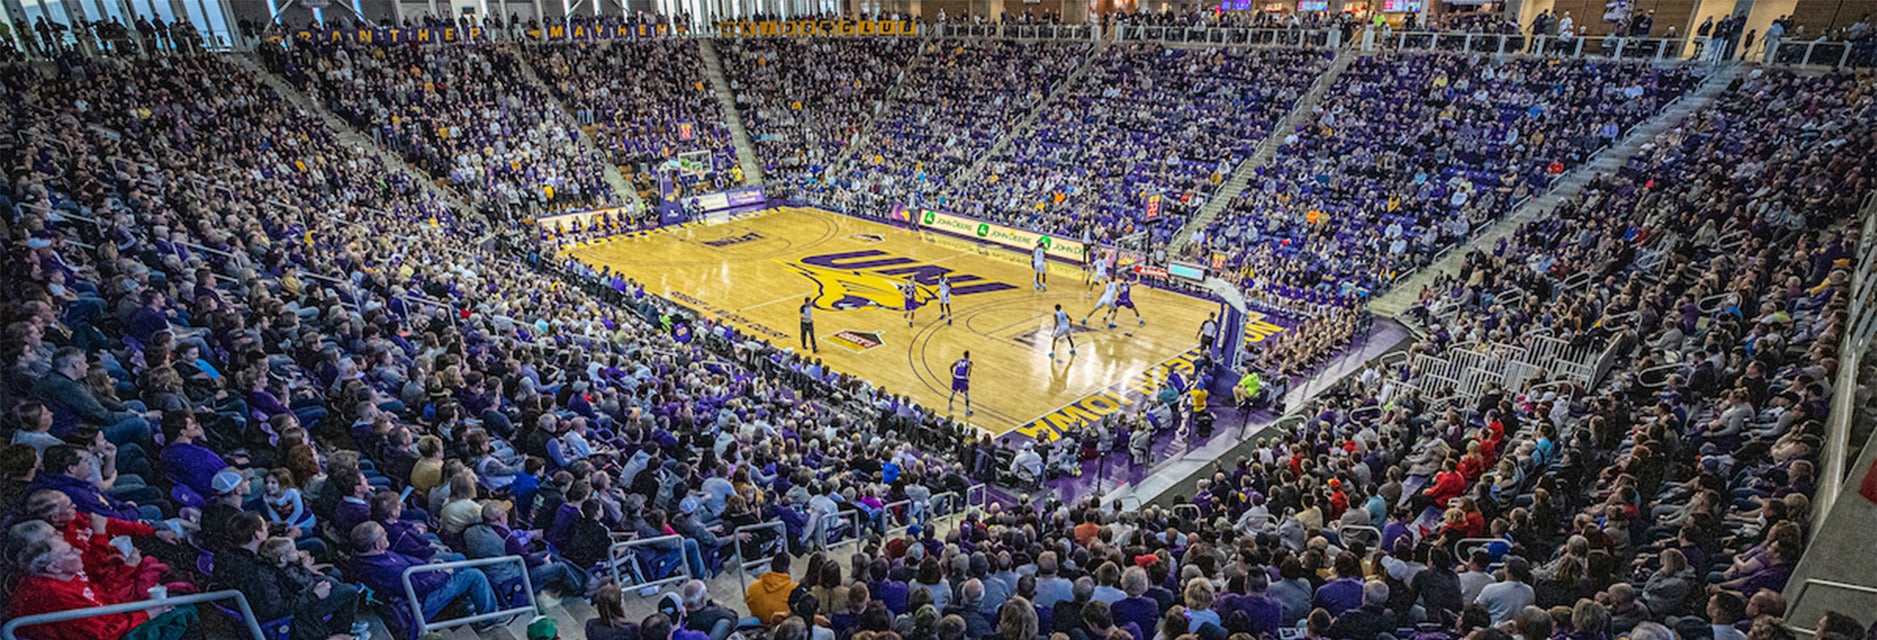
pixel 911 293
pixel 1125 298
pixel 961 383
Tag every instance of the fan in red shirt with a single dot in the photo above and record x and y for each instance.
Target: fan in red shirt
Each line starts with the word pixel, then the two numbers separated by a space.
pixel 1447 485
pixel 1490 439
pixel 1473 464
pixel 1475 525
pixel 119 576
pixel 55 581
pixel 1339 501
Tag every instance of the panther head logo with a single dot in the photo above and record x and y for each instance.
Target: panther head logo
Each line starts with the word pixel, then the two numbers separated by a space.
pixel 843 290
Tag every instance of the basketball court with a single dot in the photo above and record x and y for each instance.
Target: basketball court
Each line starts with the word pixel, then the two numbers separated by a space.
pixel 754 271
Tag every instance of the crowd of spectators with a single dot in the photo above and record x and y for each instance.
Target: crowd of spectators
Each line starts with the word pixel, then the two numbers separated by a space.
pixel 805 101
pixel 1652 507
pixel 1315 341
pixel 648 101
pixel 207 390
pixel 1671 501
pixel 954 104
pixel 1408 153
pixel 466 114
pixel 231 341
pixel 1145 120
pixel 141 36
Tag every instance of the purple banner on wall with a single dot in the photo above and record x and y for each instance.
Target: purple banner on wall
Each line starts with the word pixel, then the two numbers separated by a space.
pixel 669 211
pixel 721 200
pixel 745 196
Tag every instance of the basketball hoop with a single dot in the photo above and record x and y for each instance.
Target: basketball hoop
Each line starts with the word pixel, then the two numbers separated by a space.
pixel 696 164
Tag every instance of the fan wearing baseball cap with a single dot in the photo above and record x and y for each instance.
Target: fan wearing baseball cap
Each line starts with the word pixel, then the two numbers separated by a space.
pixel 543 628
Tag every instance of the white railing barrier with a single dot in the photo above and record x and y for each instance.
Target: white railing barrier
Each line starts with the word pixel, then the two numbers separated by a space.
pixel 1858 588
pixel 247 613
pixel 1853 348
pixel 743 565
pixel 417 604
pixel 449 310
pixel 357 294
pixel 828 533
pixel 1606 46
pixel 977 495
pixel 1463 548
pixel 1371 536
pixel 1188 511
pixel 1251 36
pixel 1834 54
pixel 941 505
pixel 900 516
pixel 624 555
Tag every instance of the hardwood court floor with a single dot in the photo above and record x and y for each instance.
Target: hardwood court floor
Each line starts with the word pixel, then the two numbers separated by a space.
pixel 755 270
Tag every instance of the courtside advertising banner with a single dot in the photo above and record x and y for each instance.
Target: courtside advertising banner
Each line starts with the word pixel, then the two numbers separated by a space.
pixel 1059 248
pixel 712 202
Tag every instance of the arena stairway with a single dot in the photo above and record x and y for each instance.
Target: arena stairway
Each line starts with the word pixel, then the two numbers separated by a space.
pixel 745 153
pixel 1241 177
pixel 839 165
pixel 346 134
pixel 614 179
pixel 1027 126
pixel 1405 292
pixel 571 614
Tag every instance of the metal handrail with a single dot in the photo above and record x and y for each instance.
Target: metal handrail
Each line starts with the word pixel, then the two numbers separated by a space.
pixel 1469 543
pixel 823 537
pixel 1801 593
pixel 1344 531
pixel 329 280
pixel 982 491
pixel 448 308
pixel 1188 508
pixel 1851 352
pixel 615 562
pixel 247 613
pixel 743 565
pixel 207 250
pixel 1670 367
pixel 947 498
pixel 417 604
pixel 903 507
pixel 1608 45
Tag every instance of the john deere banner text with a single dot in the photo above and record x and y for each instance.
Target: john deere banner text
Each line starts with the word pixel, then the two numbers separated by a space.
pixel 1058 248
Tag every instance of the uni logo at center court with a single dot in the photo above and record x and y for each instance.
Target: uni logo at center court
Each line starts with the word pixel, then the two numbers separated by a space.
pixel 871 278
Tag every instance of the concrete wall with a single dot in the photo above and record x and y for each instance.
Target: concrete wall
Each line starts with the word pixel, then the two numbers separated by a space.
pixel 1816 17
pixel 1839 552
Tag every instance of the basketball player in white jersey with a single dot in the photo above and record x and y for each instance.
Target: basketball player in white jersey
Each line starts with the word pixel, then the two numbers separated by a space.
pixel 1124 297
pixel 1096 271
pixel 1039 261
pixel 1108 292
pixel 961 383
pixel 945 303
pixel 1062 330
